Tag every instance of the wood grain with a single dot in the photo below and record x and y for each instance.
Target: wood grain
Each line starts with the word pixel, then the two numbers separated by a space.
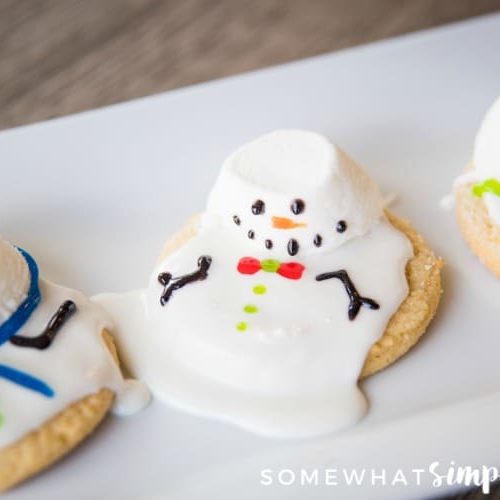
pixel 62 56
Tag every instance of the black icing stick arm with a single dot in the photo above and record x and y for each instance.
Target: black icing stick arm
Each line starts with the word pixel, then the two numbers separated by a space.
pixel 171 284
pixel 355 299
pixel 45 339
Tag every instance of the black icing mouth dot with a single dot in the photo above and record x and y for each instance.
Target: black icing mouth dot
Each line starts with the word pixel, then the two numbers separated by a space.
pixel 341 226
pixel 297 206
pixel 269 244
pixel 258 207
pixel 236 220
pixel 251 234
pixel 293 247
pixel 318 240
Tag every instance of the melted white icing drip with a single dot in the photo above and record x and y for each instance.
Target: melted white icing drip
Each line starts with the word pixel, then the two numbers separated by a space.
pixel 294 371
pixel 77 364
pixel 492 203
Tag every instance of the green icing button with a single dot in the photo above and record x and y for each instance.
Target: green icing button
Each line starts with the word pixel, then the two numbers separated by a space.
pixel 259 289
pixel 250 309
pixel 241 326
pixel 270 265
pixel 487 186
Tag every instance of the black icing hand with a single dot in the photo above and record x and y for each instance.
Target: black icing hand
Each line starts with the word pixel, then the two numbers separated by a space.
pixel 172 284
pixel 355 299
pixel 45 339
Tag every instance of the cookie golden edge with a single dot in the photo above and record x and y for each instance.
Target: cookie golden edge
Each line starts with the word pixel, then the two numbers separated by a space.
pixel 480 233
pixel 409 322
pixel 44 446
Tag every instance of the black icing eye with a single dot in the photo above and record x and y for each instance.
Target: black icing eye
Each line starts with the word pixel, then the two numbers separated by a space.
pixel 297 206
pixel 258 207
pixel 236 220
pixel 341 226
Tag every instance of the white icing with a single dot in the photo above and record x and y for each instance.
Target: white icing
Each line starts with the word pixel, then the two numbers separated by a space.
pixel 293 372
pixel 14 279
pixel 77 364
pixel 492 203
pixel 447 202
pixel 134 396
pixel 294 164
pixel 487 145
pixel 487 157
pixel 486 160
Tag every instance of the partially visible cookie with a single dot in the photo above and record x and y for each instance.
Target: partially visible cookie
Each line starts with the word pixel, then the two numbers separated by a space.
pixel 44 446
pixel 477 193
pixel 58 436
pixel 480 232
pixel 59 371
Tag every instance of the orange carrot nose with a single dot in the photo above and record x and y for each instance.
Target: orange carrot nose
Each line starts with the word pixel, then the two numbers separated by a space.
pixel 284 223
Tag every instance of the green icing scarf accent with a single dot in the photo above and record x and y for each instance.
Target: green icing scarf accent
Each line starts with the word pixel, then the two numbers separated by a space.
pixel 488 186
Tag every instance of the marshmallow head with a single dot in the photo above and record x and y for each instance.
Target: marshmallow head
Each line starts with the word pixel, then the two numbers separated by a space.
pixel 487 145
pixel 14 280
pixel 294 192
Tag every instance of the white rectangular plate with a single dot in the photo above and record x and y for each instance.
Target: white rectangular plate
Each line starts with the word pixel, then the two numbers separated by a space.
pixel 94 196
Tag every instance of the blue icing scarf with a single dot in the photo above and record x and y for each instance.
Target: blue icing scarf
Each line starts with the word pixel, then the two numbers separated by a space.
pixel 15 322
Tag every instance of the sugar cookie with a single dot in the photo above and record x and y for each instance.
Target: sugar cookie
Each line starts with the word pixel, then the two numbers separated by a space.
pixel 59 373
pixel 477 193
pixel 268 307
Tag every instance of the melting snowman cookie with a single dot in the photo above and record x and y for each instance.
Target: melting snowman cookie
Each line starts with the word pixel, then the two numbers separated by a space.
pixel 264 310
pixel 58 371
pixel 477 193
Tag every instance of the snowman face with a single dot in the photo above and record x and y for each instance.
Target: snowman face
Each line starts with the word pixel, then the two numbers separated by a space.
pixel 283 226
pixel 293 193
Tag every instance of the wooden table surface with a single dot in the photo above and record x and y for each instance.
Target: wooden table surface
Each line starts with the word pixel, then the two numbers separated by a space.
pixel 62 56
